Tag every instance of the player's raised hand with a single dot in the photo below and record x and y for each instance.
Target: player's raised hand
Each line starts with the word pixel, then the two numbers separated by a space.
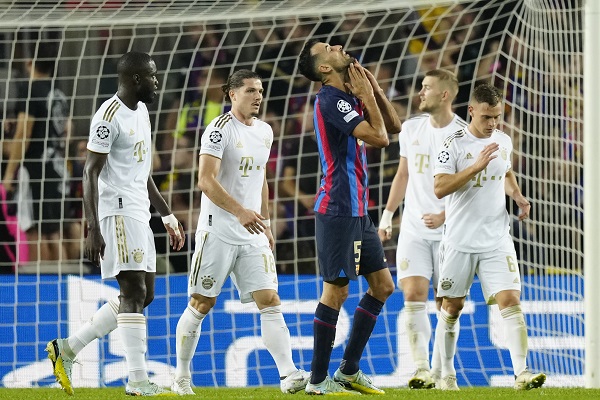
pixel 372 80
pixel 94 246
pixel 359 84
pixel 486 155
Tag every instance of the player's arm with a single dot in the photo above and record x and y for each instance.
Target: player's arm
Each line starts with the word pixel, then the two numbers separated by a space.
pixel 208 170
pixel 512 190
pixel 445 184
pixel 397 193
pixel 173 227
pixel 389 114
pixel 371 130
pixel 94 242
pixel 264 211
pixel 18 147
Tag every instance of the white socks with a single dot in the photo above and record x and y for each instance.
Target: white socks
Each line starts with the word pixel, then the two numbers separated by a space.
pixel 187 335
pixel 101 324
pixel 515 332
pixel 446 335
pixel 132 327
pixel 418 329
pixel 276 337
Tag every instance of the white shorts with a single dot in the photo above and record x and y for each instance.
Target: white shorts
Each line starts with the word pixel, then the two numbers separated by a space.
pixel 497 270
pixel 251 266
pixel 416 256
pixel 129 246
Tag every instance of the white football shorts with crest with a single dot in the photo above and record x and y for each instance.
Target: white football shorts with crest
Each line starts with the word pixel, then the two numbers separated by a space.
pixel 251 267
pixel 416 256
pixel 129 246
pixel 497 270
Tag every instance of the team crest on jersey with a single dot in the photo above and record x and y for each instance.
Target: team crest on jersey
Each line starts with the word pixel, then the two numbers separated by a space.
pixel 102 132
pixel 404 264
pixel 208 282
pixel 443 157
pixel 344 106
pixel 215 136
pixel 138 255
pixel 267 142
pixel 503 153
pixel 446 283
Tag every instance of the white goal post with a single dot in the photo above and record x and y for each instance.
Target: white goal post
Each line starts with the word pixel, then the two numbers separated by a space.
pixel 531 49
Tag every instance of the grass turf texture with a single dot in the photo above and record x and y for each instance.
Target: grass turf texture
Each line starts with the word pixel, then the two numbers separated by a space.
pixel 274 393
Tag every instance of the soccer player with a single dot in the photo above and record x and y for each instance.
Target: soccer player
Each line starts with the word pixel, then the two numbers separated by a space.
pixel 234 237
pixel 118 191
pixel 423 215
pixel 351 111
pixel 473 171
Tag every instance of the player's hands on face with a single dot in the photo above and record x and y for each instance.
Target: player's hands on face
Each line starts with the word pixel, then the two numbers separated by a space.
pixel 359 83
pixel 372 80
pixel 486 155
pixel 94 246
pixel 252 221
pixel 433 221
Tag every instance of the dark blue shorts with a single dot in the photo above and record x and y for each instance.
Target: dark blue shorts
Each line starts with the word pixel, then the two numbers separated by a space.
pixel 347 247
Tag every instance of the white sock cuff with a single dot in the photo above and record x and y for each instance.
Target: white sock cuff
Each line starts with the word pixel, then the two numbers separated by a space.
pixel 449 319
pixel 511 312
pixel 195 313
pixel 271 310
pixel 414 306
pixel 131 320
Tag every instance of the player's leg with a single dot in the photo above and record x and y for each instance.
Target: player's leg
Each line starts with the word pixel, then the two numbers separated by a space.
pixel 436 359
pixel 415 261
pixel 501 284
pixel 373 266
pixel 255 276
pixel 212 263
pixel 457 271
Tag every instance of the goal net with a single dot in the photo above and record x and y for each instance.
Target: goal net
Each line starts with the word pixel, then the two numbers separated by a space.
pixel 531 49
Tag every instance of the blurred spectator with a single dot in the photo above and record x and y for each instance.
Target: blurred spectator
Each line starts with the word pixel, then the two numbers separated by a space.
pixel 37 155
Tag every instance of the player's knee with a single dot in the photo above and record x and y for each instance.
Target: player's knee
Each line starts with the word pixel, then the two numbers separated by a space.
pixel 202 304
pixel 453 307
pixel 149 299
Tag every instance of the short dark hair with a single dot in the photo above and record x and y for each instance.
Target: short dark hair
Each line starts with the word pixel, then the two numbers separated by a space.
pixel 236 80
pixel 486 93
pixel 306 62
pixel 134 62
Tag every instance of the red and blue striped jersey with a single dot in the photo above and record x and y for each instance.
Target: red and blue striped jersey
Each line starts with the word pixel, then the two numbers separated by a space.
pixel 344 185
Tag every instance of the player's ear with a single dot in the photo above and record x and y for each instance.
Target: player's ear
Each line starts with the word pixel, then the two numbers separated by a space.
pixel 324 68
pixel 136 78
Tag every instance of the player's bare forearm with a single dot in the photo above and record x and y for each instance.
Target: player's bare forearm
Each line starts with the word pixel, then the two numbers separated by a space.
pixel 389 114
pixel 445 184
pixel 93 165
pixel 264 209
pixel 398 188
pixel 156 199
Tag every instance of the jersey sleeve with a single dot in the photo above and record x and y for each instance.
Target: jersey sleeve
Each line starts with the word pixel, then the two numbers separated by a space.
pixel 445 160
pixel 213 141
pixel 102 135
pixel 340 113
pixel 403 143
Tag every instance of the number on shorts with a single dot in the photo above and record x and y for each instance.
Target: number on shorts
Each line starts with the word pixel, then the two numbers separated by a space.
pixel 512 265
pixel 269 261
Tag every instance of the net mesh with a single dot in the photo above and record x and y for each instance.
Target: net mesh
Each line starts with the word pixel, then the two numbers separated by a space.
pixel 531 49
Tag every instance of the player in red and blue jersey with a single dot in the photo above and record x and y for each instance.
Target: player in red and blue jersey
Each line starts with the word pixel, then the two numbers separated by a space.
pixel 351 110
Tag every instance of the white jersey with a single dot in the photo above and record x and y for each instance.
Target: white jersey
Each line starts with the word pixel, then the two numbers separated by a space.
pixel 125 135
pixel 244 152
pixel 419 144
pixel 476 216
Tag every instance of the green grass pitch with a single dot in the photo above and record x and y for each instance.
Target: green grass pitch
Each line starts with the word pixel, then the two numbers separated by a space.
pixel 274 393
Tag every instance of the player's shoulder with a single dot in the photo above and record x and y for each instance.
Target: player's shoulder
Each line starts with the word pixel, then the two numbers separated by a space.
pixel 501 136
pixel 415 120
pixel 222 122
pixel 108 110
pixel 454 137
pixel 458 122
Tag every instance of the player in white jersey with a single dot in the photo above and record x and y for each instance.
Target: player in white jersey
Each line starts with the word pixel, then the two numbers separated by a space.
pixel 118 191
pixel 234 237
pixel 473 171
pixel 422 217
